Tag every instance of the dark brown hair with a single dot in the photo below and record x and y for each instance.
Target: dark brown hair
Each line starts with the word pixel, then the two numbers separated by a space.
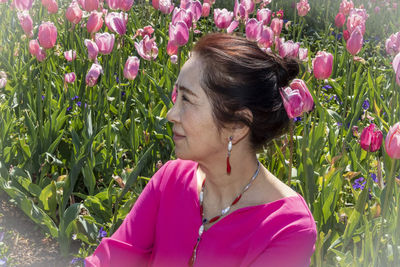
pixel 239 75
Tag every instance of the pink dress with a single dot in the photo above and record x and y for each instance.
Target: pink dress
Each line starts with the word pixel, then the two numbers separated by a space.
pixel 162 228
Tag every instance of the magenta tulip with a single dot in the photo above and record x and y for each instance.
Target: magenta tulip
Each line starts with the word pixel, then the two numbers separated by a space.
pixel 346 6
pixel 70 55
pixel 253 29
pixel 131 68
pixel 172 49
pixel 26 23
pixel 276 26
pixel 93 50
pixel 105 42
pixel 91 5
pixel 93 74
pixel 126 5
pixel 392 141
pixel 266 37
pixel 392 44
pixel 195 8
pixel 303 8
pixel 166 6
pixel 222 18
pixel 355 42
pixel 174 94
pixel 303 54
pixel 73 13
pixel 155 4
pixel 147 48
pixel 95 22
pixel 50 5
pixel 264 15
pixel 205 11
pixel 184 15
pixel 240 12
pixel 292 102
pixel 371 138
pixel 396 67
pixel 47 35
pixel 113 4
pixel 340 20
pixel 307 100
pixel 23 4
pixel 116 22
pixel 69 77
pixel 3 79
pixel 289 49
pixel 34 47
pixel 232 26
pixel 322 65
pixel 179 33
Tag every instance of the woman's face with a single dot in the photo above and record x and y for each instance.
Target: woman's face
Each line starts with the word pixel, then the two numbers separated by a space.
pixel 196 135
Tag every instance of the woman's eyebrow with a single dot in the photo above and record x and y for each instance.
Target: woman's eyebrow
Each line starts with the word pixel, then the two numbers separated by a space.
pixel 183 88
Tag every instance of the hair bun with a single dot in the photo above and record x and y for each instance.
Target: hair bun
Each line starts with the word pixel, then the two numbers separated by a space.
pixel 287 71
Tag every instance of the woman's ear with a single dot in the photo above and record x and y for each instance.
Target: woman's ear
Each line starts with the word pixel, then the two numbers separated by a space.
pixel 241 130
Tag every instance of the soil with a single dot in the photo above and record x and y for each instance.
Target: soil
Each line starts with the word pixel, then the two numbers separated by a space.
pixel 27 243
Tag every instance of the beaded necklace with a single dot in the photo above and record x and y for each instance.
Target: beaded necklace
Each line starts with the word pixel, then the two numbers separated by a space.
pixel 224 211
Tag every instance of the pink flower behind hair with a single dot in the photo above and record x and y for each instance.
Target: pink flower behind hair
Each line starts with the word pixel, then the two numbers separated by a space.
pixel 222 18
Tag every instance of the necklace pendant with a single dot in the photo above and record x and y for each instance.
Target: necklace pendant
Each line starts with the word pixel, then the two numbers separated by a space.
pixel 201 230
pixel 225 211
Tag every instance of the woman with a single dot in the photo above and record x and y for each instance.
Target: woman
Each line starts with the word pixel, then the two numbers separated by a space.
pixel 216 205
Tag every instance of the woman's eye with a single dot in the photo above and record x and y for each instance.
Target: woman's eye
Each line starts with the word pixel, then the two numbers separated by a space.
pixel 184 98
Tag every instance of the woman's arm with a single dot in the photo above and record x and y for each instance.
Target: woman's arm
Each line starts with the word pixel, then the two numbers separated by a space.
pixel 132 243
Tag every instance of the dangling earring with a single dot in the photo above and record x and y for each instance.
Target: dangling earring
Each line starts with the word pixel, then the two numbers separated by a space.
pixel 228 165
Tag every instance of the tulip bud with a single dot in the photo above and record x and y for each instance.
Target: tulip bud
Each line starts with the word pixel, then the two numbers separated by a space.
pixel 392 141
pixel 266 37
pixel 339 20
pixel 34 47
pixel 166 6
pixel 178 33
pixel 95 22
pixel 51 6
pixel 355 42
pixel 26 23
pixel 90 5
pixel 70 55
pixel 292 102
pixel 205 12
pixel 172 49
pixel 131 68
pixel 105 42
pixel 276 26
pixel 73 13
pixel 93 75
pixel 222 18
pixel 322 65
pixel 47 35
pixel 253 29
pixel 156 4
pixel 69 77
pixel 302 8
pixel 126 5
pixel 307 100
pixel 93 50
pixel 264 15
pixel 371 138
pixel 346 35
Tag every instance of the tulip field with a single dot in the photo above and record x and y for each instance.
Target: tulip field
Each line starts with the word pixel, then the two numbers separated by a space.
pixel 85 86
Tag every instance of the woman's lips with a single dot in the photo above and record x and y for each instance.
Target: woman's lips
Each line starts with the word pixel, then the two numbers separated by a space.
pixel 178 137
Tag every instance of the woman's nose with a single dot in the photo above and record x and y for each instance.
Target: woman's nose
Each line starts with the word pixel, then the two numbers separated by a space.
pixel 172 115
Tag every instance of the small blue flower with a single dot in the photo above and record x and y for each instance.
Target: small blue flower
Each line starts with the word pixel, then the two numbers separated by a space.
pixel 75 97
pixel 69 108
pixel 123 93
pixel 76 260
pixel 359 183
pixel 79 103
pixel 339 124
pixel 326 87
pixel 373 176
pixel 102 233
pixel 297 119
pixel 42 97
pixel 365 105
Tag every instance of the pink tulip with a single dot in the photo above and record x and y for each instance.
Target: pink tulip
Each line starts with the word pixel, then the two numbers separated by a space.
pixel 355 42
pixel 303 8
pixel 240 12
pixel 346 35
pixel 322 65
pixel 205 12
pixel 156 4
pixel 244 8
pixel 34 47
pixel 131 68
pixel 371 138
pixel 26 23
pixel 303 54
pixel 264 15
pixel 41 54
pixel 116 22
pixel 126 5
pixel 222 18
pixel 396 67
pixel 47 35
pixel 93 50
pixel 147 48
pixel 392 141
pixel 360 12
pixel 166 6
pixel 195 8
pixel 90 5
pixel 93 74
pixel 147 30
pixel 339 20
pixel 266 37
pixel 232 26
pixel 23 4
pixel 3 79
pixel 172 49
pixel 292 102
pixel 289 49
pixel 70 55
pixel 69 77
pixel 3 1
pixel 73 13
pixel 50 5
pixel 95 22
pixel 278 41
pixel 307 100
pixel 183 15
pixel 276 26
pixel 354 21
pixel 179 33
pixel 346 6
pixel 174 95
pixel 392 44
pixel 253 29
pixel 113 4
pixel 105 42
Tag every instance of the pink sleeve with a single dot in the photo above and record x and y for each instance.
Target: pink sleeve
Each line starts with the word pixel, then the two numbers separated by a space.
pixel 290 250
pixel 132 243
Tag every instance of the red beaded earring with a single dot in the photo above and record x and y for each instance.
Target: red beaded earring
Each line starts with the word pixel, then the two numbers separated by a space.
pixel 228 165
